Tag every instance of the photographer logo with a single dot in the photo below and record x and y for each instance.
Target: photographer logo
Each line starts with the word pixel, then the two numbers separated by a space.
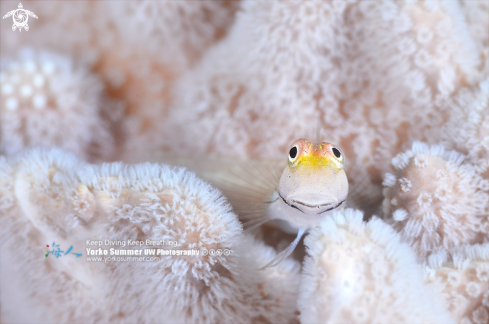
pixel 20 16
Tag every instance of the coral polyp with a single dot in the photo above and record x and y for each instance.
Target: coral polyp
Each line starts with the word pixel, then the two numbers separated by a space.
pixel 435 200
pixel 48 99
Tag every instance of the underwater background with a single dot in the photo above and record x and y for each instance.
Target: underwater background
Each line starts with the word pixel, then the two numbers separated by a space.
pixel 94 94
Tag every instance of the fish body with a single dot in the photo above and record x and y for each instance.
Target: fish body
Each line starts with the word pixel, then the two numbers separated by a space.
pixel 311 186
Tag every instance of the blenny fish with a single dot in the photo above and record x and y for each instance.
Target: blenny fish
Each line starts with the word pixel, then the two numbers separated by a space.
pixel 312 185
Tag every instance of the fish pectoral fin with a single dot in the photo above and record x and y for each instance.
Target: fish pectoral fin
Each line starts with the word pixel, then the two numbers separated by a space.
pixel 285 253
pixel 249 187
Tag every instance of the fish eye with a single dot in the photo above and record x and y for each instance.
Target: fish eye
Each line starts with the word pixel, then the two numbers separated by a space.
pixel 336 152
pixel 293 153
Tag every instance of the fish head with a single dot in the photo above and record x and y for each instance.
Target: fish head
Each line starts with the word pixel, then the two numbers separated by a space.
pixel 314 181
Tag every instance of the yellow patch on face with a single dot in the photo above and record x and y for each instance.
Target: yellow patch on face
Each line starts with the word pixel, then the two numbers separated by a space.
pixel 315 156
pixel 315 160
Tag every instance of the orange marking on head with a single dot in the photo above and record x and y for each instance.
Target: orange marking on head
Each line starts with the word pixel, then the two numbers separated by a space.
pixel 317 155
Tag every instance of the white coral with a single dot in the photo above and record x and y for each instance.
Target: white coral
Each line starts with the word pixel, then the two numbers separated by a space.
pixel 179 30
pixel 468 129
pixel 378 74
pixel 361 273
pixel 461 277
pixel 137 48
pixel 369 80
pixel 49 100
pixel 57 198
pixel 439 203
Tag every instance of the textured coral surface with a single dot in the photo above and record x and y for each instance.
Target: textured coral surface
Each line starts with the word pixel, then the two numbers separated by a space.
pixel 362 273
pixel 436 201
pixel 401 86
pixel 462 277
pixel 52 196
pixel 47 99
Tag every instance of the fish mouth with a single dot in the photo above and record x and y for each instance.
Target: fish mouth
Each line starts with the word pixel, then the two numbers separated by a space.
pixel 296 202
